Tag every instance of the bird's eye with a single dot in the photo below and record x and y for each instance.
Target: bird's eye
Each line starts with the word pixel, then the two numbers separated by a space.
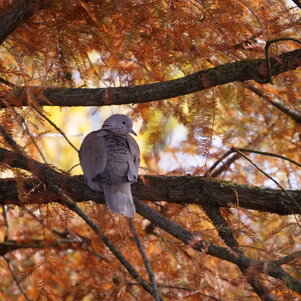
pixel 123 122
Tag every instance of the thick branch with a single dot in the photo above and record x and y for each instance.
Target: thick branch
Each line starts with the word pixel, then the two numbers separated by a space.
pixel 195 242
pixel 182 190
pixel 239 71
pixel 15 14
pixel 297 2
pixel 76 188
pixel 225 232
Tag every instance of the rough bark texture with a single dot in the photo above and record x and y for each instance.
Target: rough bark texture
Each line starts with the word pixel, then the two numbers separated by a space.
pixel 182 190
pixel 239 71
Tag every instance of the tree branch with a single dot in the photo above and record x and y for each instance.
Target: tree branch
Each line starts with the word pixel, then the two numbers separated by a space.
pixel 239 71
pixel 17 13
pixel 195 241
pixel 225 232
pixel 173 189
pixel 65 200
pixel 295 115
pixel 12 245
pixel 77 189
pixel 146 262
pixel 16 279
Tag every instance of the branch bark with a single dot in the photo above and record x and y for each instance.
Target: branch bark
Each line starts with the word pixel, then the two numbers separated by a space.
pixel 239 71
pixel 181 190
pixel 76 188
pixel 226 233
pixel 16 14
pixel 244 263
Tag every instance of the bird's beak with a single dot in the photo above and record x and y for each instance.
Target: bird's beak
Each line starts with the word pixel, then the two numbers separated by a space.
pixel 132 132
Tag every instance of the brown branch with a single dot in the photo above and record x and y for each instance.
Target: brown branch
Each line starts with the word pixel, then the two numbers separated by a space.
pixel 287 259
pixel 68 202
pixel 146 262
pixel 74 187
pixel 267 57
pixel 57 128
pixel 271 178
pixel 195 242
pixel 12 245
pixel 213 172
pixel 297 2
pixel 16 14
pixel 268 154
pixel 277 104
pixel 9 139
pixel 239 71
pixel 172 189
pixel 16 279
pixel 6 82
pixel 225 232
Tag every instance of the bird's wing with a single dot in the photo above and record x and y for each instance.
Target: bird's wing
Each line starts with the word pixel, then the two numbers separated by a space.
pixel 133 159
pixel 93 156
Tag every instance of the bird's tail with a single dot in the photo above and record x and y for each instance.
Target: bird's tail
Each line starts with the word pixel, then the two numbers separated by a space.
pixel 119 199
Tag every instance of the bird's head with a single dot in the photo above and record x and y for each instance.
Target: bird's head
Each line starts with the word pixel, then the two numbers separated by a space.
pixel 120 124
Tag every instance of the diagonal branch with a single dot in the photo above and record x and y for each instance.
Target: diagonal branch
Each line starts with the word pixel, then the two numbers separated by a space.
pixel 195 242
pixel 295 115
pixel 225 232
pixel 15 14
pixel 146 262
pixel 254 69
pixel 73 206
pixel 16 279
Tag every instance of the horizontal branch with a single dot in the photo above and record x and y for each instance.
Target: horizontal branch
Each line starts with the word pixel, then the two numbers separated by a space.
pixel 78 189
pixel 254 69
pixel 181 190
pixel 12 245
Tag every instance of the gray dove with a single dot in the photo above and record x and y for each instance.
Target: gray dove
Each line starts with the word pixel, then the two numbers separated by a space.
pixel 110 159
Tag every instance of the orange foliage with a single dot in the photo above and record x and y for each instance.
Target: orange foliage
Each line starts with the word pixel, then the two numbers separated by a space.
pixel 92 43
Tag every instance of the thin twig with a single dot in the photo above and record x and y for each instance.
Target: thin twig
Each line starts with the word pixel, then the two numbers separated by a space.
pixel 12 245
pixel 246 150
pixel 218 161
pixel 77 238
pixel 295 115
pixel 268 176
pixel 254 142
pixel 30 134
pixel 183 288
pixel 268 61
pixel 9 140
pixel 288 258
pixel 16 279
pixel 147 265
pixel 6 82
pixel 57 128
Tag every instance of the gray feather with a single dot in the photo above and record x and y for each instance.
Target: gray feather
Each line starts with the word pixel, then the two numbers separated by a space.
pixel 110 160
pixel 119 199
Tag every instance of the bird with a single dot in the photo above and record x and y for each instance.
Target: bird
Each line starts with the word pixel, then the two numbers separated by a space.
pixel 110 159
